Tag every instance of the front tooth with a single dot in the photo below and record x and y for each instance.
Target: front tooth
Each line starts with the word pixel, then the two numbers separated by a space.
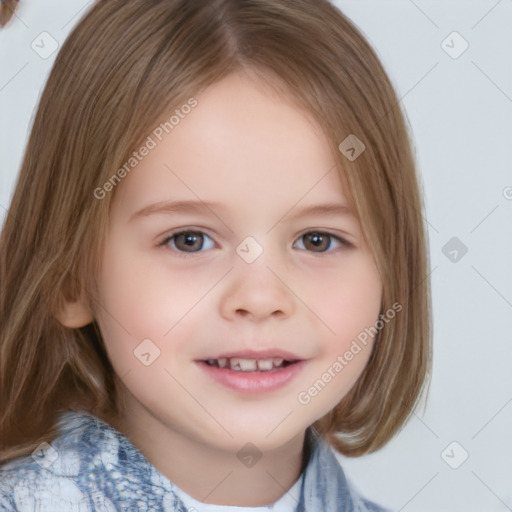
pixel 223 362
pixel 265 364
pixel 234 363
pixel 248 365
pixel 277 362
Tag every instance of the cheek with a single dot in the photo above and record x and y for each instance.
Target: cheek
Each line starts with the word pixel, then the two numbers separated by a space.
pixel 143 298
pixel 347 302
pixel 347 305
pixel 144 295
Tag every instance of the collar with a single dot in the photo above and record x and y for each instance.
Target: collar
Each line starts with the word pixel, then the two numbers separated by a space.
pixel 324 486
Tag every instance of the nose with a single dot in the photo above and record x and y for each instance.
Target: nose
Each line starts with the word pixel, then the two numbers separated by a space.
pixel 256 292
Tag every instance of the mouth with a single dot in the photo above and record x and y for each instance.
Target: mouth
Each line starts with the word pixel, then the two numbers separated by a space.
pixel 250 365
pixel 253 372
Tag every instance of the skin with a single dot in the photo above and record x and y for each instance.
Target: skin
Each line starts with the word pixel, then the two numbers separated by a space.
pixel 262 160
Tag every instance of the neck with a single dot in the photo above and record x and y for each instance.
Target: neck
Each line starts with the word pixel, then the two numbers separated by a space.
pixel 210 474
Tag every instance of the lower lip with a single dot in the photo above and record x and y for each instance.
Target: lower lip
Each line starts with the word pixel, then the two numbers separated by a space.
pixel 254 382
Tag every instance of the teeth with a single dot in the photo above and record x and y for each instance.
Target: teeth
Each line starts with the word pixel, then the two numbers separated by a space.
pixel 247 365
pixel 265 364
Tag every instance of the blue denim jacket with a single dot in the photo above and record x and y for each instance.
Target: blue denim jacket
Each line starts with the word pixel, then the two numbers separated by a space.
pixel 92 467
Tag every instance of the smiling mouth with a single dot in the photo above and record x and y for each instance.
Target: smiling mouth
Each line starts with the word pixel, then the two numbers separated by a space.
pixel 250 365
pixel 253 373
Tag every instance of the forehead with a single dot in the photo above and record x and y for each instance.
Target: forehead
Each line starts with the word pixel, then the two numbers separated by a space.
pixel 243 143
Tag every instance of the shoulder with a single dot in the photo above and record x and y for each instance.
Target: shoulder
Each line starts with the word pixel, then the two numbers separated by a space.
pixel 89 466
pixel 53 475
pixel 362 504
pixel 326 485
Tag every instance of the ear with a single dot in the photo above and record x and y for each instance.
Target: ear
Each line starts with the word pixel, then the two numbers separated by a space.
pixel 72 311
pixel 74 314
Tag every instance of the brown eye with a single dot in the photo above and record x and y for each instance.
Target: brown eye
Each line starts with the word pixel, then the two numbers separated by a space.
pixel 187 241
pixel 317 241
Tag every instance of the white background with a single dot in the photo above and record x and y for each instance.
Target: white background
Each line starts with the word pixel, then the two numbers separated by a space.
pixel 460 112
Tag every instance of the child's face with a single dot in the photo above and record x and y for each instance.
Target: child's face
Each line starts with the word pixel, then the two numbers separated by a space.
pixel 259 163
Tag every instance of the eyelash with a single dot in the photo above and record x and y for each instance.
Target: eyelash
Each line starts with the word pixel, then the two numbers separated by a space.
pixel 183 254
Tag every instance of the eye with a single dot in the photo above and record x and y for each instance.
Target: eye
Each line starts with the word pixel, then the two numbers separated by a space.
pixel 318 241
pixel 188 241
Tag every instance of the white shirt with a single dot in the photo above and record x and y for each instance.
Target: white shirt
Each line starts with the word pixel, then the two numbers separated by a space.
pixel 287 503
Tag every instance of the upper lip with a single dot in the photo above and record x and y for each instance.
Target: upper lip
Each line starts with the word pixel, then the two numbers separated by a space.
pixel 257 354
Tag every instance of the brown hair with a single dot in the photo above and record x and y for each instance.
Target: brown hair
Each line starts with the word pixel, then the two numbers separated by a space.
pixel 126 63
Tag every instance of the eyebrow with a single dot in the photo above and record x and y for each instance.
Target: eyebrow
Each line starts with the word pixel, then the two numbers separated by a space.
pixel 175 206
pixel 321 209
pixel 191 206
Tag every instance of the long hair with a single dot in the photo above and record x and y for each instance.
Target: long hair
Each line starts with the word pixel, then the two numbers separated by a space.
pixel 126 63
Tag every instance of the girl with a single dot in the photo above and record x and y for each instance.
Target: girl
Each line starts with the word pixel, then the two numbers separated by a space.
pixel 214 265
